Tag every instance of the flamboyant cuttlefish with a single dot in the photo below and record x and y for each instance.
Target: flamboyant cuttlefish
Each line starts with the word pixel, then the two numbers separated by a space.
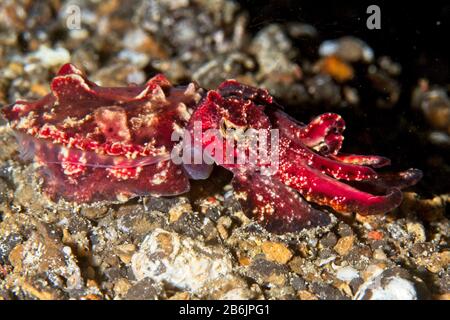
pixel 94 143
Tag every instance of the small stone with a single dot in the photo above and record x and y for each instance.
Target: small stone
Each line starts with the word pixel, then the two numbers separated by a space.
pixel 428 209
pixel 50 57
pixel 190 224
pixel 36 292
pixel 267 273
pixel 182 262
pixel 276 279
pixel 323 89
pixel 371 222
pixel 296 264
pixel 15 256
pixel 44 256
pixel 351 95
pixel 137 222
pixel 223 223
pixel 347 48
pixel 344 229
pixel 391 67
pixel 7 244
pixel 91 283
pixel 421 250
pixel 359 256
pixel 345 288
pixel 276 252
pixel 379 254
pixel 417 231
pixel 181 296
pixel 244 261
pixel 125 252
pixel 347 274
pixel 373 270
pixel 305 250
pixel 14 70
pixel 94 212
pixel 444 296
pixel 306 295
pixel 390 284
pixel 326 256
pixel 387 87
pixel 329 240
pixel 375 235
pixel 146 289
pixel 434 103
pixel 355 284
pixel 327 292
pixel 338 69
pixel 91 297
pixel 298 283
pixel 233 288
pixel 177 211
pixel 344 245
pixel 438 261
pixel 141 41
pixel 397 231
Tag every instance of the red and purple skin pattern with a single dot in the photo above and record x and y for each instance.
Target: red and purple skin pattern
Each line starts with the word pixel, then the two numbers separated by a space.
pixel 94 143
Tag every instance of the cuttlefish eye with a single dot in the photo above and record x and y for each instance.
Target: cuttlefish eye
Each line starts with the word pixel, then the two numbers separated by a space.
pixel 323 149
pixel 230 129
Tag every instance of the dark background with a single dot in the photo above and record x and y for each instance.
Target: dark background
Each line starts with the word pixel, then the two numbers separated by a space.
pixel 414 34
pixel 409 32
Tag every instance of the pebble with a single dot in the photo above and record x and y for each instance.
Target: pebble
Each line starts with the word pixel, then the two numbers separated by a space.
pixel 327 292
pixel 434 103
pixel 43 253
pixel 444 296
pixel 344 229
pixel 267 273
pixel 344 245
pixel 347 273
pixel 338 69
pixel 429 210
pixel 306 295
pixel 277 252
pixel 438 261
pixel 323 89
pixel 50 57
pixel 7 244
pixel 379 254
pixel 146 289
pixel 138 59
pixel 125 252
pixel 329 240
pixel 417 231
pixel 390 284
pixel 176 212
pixel 121 287
pixel 349 49
pixel 94 212
pixel 182 262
